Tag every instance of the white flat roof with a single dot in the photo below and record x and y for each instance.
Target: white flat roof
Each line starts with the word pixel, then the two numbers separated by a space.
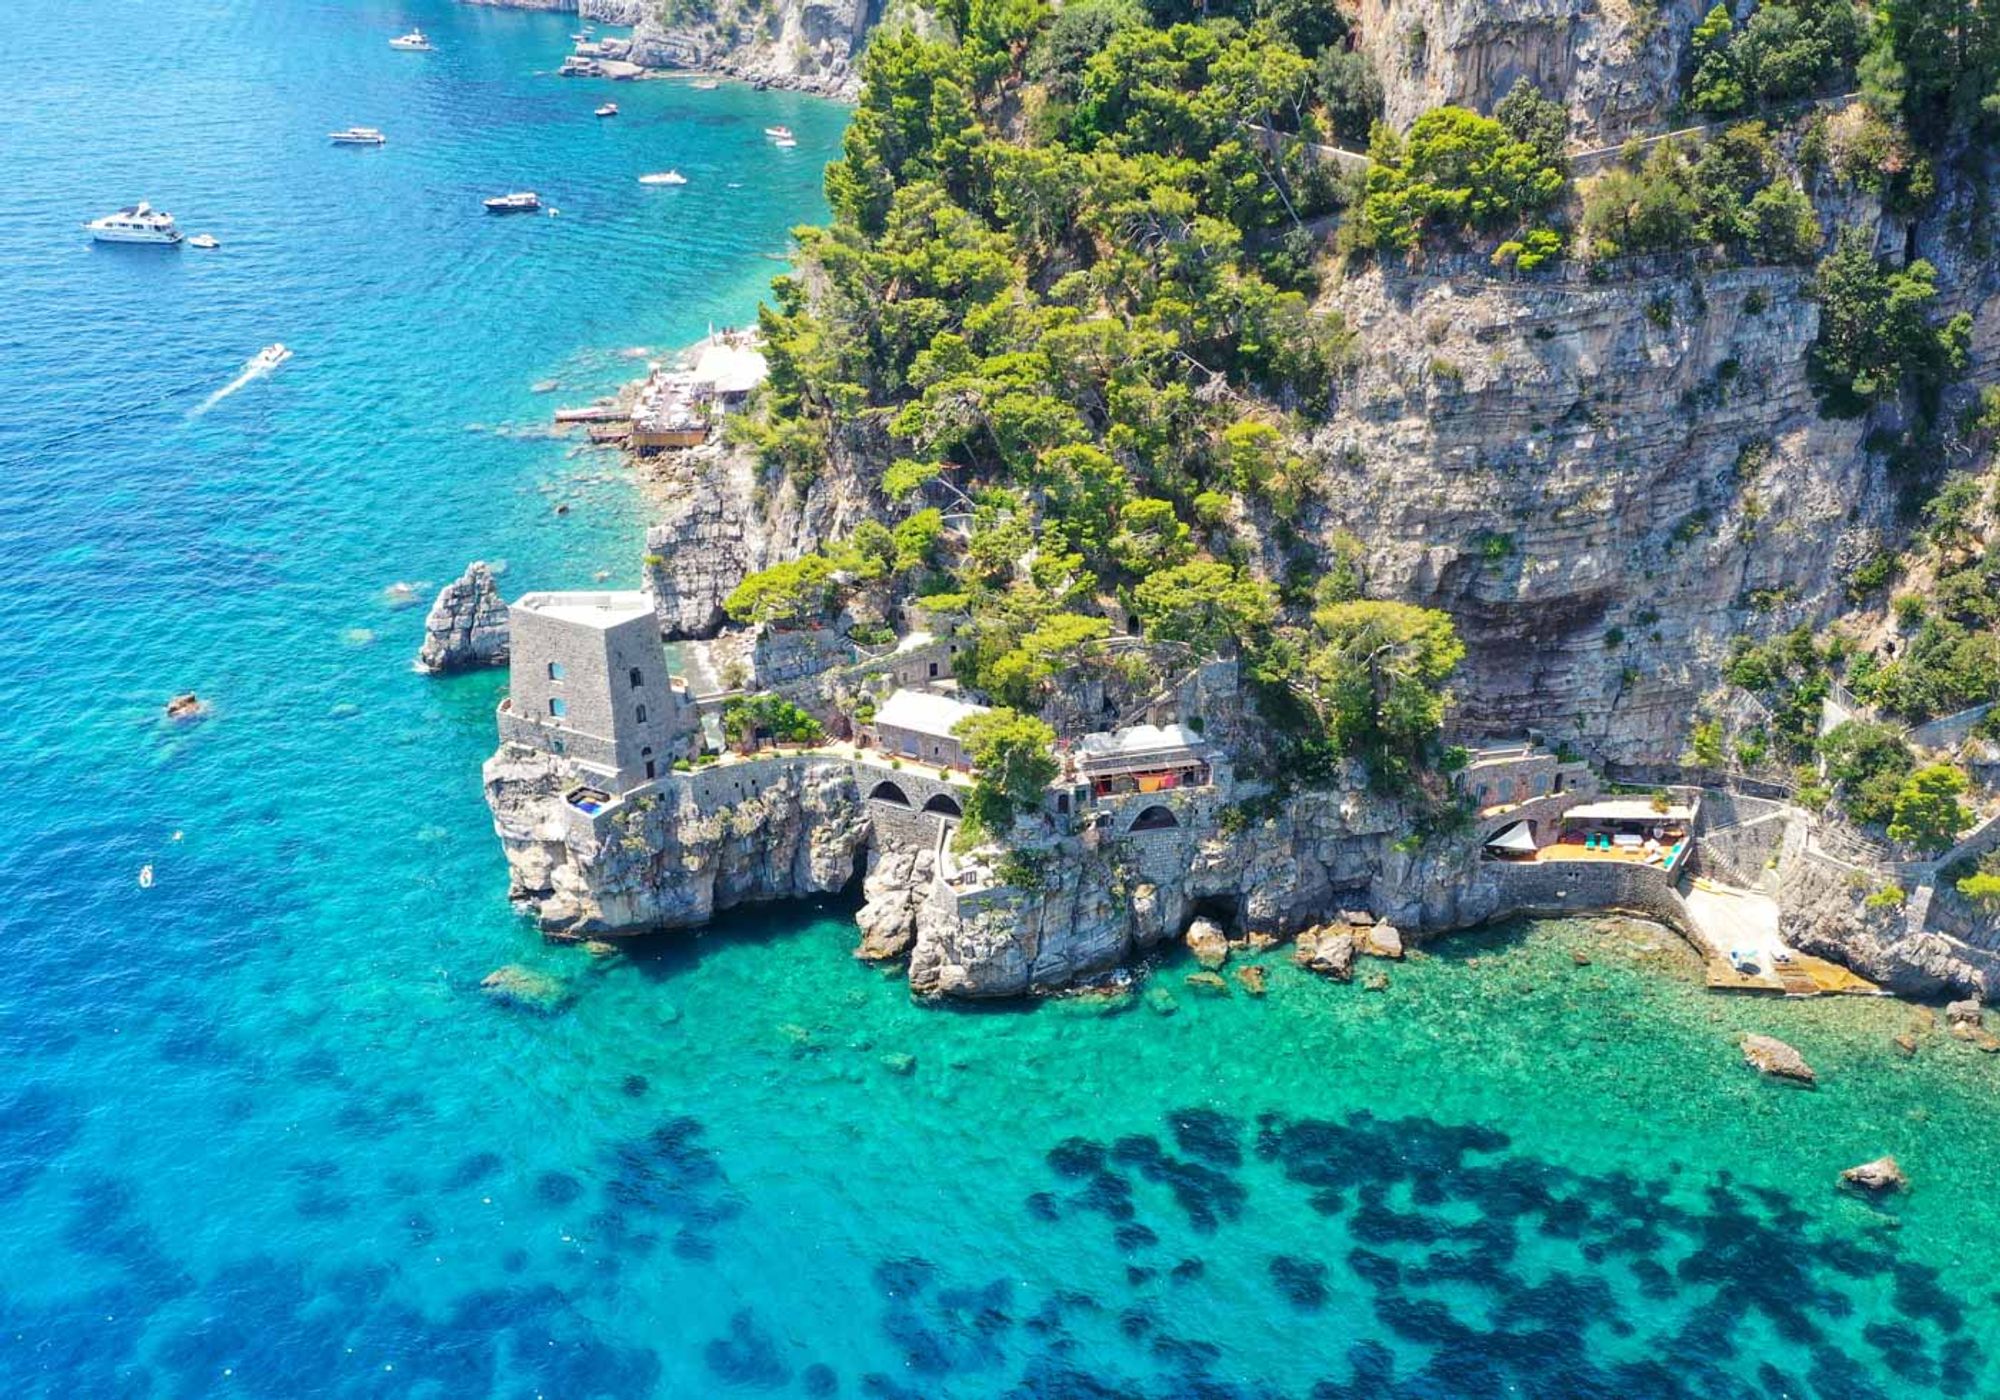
pixel 922 712
pixel 733 369
pixel 1631 809
pixel 1138 739
pixel 597 608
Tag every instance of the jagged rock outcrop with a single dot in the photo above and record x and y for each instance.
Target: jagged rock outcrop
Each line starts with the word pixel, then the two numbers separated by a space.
pixel 597 11
pixel 1329 952
pixel 467 625
pixel 1876 1177
pixel 1616 63
pixel 811 45
pixel 1770 1056
pixel 1823 911
pixel 894 888
pixel 759 832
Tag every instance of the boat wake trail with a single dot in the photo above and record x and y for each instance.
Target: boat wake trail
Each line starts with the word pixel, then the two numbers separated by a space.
pixel 254 368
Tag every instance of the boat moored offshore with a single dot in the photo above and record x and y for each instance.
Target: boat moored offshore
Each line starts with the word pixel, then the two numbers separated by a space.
pixel 357 136
pixel 519 202
pixel 412 42
pixel 609 109
pixel 135 223
pixel 664 177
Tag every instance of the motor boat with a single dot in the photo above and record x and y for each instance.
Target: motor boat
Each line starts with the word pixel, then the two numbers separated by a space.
pixel 135 223
pixel 412 42
pixel 204 240
pixel 357 136
pixel 705 85
pixel 609 109
pixel 664 177
pixel 781 133
pixel 785 143
pixel 520 202
pixel 269 358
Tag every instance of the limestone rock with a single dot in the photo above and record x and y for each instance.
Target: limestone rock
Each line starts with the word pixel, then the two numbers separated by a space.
pixel 186 705
pixel 1771 1056
pixel 1967 1013
pixel 1905 1043
pixel 514 985
pixel 1253 979
pixel 900 1063
pixel 1876 1177
pixel 1208 983
pixel 1329 954
pixel 1384 940
pixel 467 625
pixel 1209 944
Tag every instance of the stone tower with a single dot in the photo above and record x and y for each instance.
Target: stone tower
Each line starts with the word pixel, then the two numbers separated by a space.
pixel 589 682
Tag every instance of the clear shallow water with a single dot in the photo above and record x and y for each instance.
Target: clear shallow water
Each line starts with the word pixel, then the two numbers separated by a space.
pixel 259 1132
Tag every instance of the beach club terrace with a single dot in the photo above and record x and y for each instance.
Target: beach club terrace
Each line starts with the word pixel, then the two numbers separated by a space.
pixel 1638 830
pixel 1143 758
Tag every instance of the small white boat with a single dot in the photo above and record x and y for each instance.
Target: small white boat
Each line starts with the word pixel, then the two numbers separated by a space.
pixel 785 143
pixel 145 877
pixel 412 42
pixel 520 202
pixel 609 109
pixel 664 177
pixel 204 240
pixel 270 357
pixel 782 133
pixel 357 136
pixel 135 223
pixel 705 85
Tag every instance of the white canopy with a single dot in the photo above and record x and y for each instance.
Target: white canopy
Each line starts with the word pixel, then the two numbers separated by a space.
pixel 1627 809
pixel 1515 836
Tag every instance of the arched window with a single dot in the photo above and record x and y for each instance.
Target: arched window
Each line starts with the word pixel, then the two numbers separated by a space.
pixel 652 768
pixel 555 670
pixel 638 679
pixel 642 714
pixel 558 706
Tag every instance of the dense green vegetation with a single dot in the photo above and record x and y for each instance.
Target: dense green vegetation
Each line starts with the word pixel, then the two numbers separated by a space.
pixel 748 719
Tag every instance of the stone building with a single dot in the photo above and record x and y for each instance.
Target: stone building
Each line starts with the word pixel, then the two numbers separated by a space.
pixel 589 682
pixel 1143 758
pixel 917 725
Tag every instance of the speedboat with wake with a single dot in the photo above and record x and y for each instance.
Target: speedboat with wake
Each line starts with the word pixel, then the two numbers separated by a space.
pixel 519 202
pixel 664 177
pixel 269 358
pixel 135 223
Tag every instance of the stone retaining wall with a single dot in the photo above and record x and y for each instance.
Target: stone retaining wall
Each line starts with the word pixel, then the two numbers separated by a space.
pixel 1570 887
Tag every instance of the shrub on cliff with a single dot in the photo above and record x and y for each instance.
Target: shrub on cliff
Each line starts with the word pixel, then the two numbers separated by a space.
pixel 1013 760
pixel 1876 335
pixel 1455 170
pixel 1928 815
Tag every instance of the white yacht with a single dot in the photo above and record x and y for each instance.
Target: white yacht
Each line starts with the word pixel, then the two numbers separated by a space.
pixel 136 223
pixel 357 136
pixel 412 42
pixel 781 133
pixel 609 109
pixel 269 358
pixel 520 202
pixel 665 177
pixel 204 240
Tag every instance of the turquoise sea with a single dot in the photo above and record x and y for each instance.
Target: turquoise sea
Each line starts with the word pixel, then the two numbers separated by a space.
pixel 261 1135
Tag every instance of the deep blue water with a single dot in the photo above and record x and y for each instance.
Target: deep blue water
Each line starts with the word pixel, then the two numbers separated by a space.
pixel 261 1134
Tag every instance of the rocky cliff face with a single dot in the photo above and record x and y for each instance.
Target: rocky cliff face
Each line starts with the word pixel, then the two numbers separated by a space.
pixel 597 11
pixel 1602 482
pixel 811 45
pixel 1615 62
pixel 1824 913
pixel 672 860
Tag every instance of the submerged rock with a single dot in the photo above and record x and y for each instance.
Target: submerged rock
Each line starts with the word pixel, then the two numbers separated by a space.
pixel 900 1063
pixel 1252 978
pixel 467 625
pixel 1880 1175
pixel 1769 1055
pixel 514 985
pixel 1209 944
pixel 1208 983
pixel 1328 954
pixel 1965 1015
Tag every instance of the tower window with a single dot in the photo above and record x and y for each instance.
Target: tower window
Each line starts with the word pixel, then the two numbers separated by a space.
pixel 637 679
pixel 555 670
pixel 642 714
pixel 558 706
